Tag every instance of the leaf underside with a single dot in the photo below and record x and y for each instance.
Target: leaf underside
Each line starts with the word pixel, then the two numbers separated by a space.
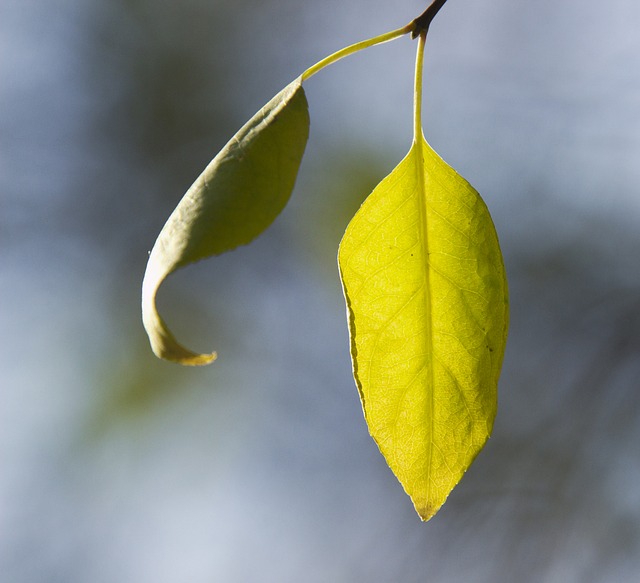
pixel 239 194
pixel 427 300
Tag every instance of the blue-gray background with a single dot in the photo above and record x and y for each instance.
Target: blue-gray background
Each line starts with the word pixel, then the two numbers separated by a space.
pixel 116 467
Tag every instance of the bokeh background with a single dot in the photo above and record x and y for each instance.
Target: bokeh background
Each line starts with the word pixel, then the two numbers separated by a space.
pixel 116 467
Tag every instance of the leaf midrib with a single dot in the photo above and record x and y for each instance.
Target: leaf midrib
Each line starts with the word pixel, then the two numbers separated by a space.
pixel 424 242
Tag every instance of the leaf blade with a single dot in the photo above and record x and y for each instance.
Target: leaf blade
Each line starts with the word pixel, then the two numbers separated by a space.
pixel 237 196
pixel 427 299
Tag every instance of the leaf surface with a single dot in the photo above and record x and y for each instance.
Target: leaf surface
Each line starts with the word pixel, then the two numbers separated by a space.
pixel 427 301
pixel 239 194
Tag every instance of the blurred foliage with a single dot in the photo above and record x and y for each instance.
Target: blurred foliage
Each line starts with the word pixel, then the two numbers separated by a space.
pixel 327 199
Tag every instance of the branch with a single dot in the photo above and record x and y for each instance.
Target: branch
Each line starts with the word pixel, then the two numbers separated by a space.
pixel 421 24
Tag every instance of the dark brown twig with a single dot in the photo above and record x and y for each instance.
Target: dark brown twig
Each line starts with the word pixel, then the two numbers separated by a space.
pixel 421 24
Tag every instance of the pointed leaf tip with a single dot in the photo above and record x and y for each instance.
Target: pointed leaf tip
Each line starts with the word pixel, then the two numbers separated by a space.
pixel 239 194
pixel 166 347
pixel 427 298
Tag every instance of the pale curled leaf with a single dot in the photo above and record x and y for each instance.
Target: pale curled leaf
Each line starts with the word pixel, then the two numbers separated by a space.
pixel 239 194
pixel 427 299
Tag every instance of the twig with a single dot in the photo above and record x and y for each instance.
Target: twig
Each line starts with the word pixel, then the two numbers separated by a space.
pixel 421 24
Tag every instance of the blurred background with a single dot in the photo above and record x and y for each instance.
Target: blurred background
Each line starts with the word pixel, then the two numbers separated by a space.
pixel 117 467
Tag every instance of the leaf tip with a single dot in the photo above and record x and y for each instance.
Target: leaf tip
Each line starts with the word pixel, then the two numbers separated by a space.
pixel 164 344
pixel 174 352
pixel 166 347
pixel 194 359
pixel 426 512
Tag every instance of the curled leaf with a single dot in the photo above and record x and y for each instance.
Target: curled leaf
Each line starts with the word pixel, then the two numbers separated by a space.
pixel 239 194
pixel 427 300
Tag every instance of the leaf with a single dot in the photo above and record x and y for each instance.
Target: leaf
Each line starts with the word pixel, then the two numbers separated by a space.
pixel 239 194
pixel 426 295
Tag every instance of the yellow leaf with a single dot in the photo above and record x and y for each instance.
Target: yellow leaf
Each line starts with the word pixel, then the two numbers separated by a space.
pixel 427 300
pixel 239 194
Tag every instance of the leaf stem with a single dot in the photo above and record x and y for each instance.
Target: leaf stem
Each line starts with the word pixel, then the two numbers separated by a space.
pixel 365 44
pixel 417 93
pixel 416 27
